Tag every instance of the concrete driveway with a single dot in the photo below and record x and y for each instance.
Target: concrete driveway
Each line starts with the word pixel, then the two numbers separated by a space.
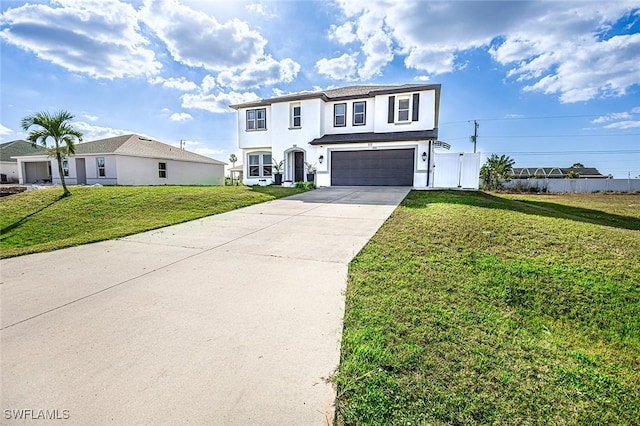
pixel 233 319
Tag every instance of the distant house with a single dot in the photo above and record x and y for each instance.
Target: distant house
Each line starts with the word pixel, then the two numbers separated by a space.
pixel 556 173
pixel 9 165
pixel 124 160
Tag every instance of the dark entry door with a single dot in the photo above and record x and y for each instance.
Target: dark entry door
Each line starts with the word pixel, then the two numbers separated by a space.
pixel 298 166
pixel 81 171
pixel 379 167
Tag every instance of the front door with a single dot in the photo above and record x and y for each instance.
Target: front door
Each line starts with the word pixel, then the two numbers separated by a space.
pixel 298 166
pixel 81 171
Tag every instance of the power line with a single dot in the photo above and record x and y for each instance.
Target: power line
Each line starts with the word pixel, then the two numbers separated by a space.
pixel 548 117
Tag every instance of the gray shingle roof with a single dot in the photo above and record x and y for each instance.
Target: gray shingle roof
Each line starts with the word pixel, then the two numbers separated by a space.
pixel 142 147
pixel 18 147
pixel 417 135
pixel 340 93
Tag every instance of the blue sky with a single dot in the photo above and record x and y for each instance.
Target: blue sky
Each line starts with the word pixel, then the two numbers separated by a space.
pixel 551 83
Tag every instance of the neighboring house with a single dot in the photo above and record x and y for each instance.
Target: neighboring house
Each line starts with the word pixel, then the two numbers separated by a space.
pixel 556 172
pixel 127 160
pixel 9 165
pixel 358 135
pixel 235 173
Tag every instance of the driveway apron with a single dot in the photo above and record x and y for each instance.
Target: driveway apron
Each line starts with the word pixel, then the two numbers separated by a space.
pixel 233 319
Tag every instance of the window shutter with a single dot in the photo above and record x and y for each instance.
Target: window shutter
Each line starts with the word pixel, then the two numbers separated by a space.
pixel 416 106
pixel 392 103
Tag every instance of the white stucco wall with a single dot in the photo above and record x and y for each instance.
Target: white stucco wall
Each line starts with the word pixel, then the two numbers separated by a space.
pixel 144 171
pixel 10 169
pixel 253 138
pixel 131 170
pixel 328 127
pixel 426 113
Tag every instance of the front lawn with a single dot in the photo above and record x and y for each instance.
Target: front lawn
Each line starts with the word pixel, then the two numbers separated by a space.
pixel 40 220
pixel 472 308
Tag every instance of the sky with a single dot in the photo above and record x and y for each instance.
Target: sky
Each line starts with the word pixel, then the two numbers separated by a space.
pixel 550 83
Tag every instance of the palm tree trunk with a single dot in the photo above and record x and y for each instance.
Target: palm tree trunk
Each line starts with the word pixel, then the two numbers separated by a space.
pixel 65 192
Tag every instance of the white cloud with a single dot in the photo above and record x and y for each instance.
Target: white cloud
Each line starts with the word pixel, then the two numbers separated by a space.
pixel 90 117
pixel 208 83
pixel 216 103
pixel 611 117
pixel 343 34
pixel 629 124
pixel 4 131
pixel 378 53
pixel 559 48
pixel 199 40
pixel 91 132
pixel 94 37
pixel 264 72
pixel 180 83
pixel 200 148
pixel 259 9
pixel 180 116
pixel 341 68
pixel 620 120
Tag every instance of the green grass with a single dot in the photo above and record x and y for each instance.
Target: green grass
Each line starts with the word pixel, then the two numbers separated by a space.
pixel 40 220
pixel 472 308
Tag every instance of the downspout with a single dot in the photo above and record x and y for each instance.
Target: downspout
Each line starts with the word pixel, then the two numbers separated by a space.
pixel 429 162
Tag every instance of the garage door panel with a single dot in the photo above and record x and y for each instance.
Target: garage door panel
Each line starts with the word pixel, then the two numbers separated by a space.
pixel 384 167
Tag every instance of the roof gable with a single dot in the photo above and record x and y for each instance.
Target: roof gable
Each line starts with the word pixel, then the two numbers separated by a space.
pixel 140 146
pixel 17 148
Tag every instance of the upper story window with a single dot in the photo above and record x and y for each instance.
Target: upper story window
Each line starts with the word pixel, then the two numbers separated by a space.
pixel 296 116
pixel 162 170
pixel 260 165
pixel 359 113
pixel 257 119
pixel 404 106
pixel 65 167
pixel 101 168
pixel 339 115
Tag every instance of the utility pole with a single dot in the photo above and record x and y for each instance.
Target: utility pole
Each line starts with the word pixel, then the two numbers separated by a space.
pixel 474 138
pixel 181 144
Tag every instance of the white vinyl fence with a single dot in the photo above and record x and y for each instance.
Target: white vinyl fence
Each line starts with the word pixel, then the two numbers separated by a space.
pixel 456 170
pixel 574 185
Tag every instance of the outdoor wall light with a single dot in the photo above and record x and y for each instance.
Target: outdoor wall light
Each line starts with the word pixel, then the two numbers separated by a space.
pixel 424 156
pixel 321 159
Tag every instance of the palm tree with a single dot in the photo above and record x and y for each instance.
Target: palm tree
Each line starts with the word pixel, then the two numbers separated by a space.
pixel 496 169
pixel 54 126
pixel 233 159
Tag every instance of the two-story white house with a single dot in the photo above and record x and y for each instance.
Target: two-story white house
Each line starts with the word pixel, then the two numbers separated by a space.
pixel 357 135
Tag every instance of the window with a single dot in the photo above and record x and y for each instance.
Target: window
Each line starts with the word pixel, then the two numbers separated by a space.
pixel 162 170
pixel 260 165
pixel 403 109
pixel 65 168
pixel 339 115
pixel 257 119
pixel 359 113
pixel 101 170
pixel 296 116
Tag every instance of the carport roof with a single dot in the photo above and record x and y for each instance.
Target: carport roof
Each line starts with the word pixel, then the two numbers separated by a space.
pixel 418 135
